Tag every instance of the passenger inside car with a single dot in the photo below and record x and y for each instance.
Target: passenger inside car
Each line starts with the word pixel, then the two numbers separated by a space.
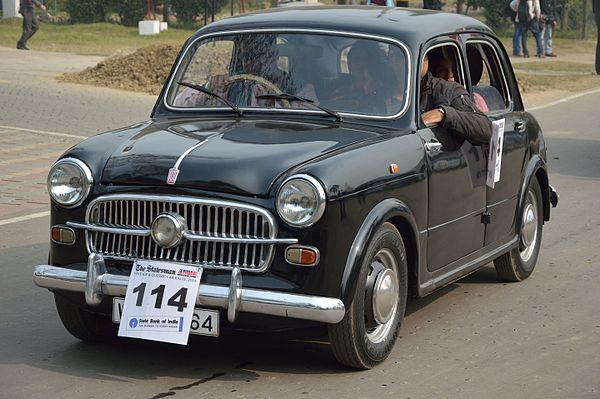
pixel 443 67
pixel 444 70
pixel 448 104
pixel 370 83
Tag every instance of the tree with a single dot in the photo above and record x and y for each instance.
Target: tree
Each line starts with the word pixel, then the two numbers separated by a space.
pixel 187 10
pixel 131 11
pixel 494 13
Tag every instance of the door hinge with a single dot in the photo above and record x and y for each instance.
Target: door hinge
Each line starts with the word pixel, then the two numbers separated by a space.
pixel 486 217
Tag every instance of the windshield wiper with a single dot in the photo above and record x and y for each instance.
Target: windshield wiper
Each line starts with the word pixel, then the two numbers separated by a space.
pixel 210 93
pixel 291 97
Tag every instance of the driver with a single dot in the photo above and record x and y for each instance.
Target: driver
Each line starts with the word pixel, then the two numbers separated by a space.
pixel 255 71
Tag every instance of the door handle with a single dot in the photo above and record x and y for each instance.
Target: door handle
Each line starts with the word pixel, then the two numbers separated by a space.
pixel 520 126
pixel 433 146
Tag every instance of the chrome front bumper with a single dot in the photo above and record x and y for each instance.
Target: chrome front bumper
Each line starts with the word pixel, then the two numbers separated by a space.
pixel 96 282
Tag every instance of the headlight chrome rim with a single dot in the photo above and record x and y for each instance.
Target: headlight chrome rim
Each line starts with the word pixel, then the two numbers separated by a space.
pixel 321 199
pixel 86 188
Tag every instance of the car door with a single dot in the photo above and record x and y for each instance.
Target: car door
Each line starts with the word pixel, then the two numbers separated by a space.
pixel 497 88
pixel 457 193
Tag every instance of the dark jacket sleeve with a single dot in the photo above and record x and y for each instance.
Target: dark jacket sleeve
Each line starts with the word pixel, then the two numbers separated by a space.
pixel 463 118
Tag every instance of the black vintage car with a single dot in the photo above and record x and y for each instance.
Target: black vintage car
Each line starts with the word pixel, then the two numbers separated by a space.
pixel 286 158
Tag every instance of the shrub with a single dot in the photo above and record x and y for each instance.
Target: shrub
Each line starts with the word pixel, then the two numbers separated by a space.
pixel 86 11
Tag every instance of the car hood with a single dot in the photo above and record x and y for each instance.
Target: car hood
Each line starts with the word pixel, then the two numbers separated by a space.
pixel 242 157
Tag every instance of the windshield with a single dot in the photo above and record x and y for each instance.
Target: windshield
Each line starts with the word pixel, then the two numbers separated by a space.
pixel 340 73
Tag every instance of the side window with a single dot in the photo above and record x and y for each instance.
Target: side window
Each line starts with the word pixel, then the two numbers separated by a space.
pixel 444 62
pixel 489 89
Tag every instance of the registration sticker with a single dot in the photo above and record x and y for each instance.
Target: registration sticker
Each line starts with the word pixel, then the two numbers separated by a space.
pixel 159 302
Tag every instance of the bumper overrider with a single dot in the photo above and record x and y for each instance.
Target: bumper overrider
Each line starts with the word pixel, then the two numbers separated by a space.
pixel 96 282
pixel 553 196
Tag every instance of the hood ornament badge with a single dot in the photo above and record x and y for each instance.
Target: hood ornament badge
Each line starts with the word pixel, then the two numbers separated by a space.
pixel 174 171
pixel 172 176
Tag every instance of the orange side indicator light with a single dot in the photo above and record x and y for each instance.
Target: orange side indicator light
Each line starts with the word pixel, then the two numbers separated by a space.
pixel 302 256
pixel 63 235
pixel 393 168
pixel 56 234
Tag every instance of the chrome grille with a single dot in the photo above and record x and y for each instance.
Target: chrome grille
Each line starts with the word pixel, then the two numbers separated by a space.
pixel 221 224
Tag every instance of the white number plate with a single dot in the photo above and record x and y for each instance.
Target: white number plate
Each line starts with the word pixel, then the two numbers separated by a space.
pixel 204 321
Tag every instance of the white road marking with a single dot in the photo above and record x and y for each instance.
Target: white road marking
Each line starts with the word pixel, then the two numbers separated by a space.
pixel 563 100
pixel 24 218
pixel 72 136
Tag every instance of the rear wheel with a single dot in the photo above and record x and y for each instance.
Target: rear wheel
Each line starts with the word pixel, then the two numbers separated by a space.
pixel 518 264
pixel 368 331
pixel 84 324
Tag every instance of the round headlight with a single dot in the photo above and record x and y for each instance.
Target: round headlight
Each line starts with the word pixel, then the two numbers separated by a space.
pixel 301 201
pixel 69 182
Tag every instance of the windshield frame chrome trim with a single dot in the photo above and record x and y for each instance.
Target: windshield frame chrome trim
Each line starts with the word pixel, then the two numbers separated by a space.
pixel 400 44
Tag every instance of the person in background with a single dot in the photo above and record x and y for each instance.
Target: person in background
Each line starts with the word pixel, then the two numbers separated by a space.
pixel 30 22
pixel 388 3
pixel 548 23
pixel 528 17
pixel 516 42
pixel 596 7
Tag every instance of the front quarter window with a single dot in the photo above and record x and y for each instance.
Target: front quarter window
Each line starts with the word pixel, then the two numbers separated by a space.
pixel 345 74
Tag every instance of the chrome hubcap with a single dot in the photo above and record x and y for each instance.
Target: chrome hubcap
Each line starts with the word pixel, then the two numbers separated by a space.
pixel 529 227
pixel 385 296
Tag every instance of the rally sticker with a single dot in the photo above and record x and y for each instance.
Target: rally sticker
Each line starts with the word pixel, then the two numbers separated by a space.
pixel 159 303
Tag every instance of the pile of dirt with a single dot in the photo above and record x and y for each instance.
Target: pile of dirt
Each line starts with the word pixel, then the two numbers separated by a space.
pixel 143 71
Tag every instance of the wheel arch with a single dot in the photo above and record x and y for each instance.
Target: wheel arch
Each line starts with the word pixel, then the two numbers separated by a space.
pixel 542 178
pixel 409 237
pixel 535 169
pixel 389 210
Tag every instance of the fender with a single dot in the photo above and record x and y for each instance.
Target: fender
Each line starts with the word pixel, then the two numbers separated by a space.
pixel 382 212
pixel 536 166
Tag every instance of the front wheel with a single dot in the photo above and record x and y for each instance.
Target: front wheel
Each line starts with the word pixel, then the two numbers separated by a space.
pixel 518 264
pixel 84 324
pixel 368 331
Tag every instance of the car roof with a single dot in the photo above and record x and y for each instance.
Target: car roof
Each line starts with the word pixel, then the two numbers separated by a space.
pixel 411 26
